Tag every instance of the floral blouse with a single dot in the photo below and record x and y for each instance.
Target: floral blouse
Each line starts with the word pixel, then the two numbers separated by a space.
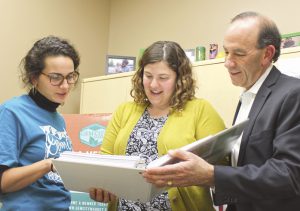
pixel 143 142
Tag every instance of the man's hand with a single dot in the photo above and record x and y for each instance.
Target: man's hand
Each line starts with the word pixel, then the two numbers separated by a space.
pixel 192 170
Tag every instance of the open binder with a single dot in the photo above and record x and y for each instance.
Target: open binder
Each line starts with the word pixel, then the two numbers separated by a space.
pixel 117 174
pixel 121 175
pixel 212 148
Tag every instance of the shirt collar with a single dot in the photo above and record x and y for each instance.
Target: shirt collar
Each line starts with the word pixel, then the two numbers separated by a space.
pixel 42 101
pixel 254 89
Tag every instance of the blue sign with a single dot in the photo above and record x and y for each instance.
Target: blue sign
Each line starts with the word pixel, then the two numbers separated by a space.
pixel 92 135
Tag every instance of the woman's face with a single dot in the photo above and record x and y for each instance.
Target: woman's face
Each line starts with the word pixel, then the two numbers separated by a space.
pixel 159 83
pixel 55 66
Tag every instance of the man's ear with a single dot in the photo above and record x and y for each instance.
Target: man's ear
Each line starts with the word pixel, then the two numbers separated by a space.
pixel 268 56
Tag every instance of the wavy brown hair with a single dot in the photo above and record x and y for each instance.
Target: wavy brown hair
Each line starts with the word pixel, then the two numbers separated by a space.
pixel 174 56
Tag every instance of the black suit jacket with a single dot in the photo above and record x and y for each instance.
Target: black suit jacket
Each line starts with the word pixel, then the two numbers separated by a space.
pixel 268 174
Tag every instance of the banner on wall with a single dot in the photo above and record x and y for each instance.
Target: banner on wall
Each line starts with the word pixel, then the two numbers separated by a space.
pixel 86 132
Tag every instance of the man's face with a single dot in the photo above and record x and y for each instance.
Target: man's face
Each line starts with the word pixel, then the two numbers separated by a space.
pixel 244 61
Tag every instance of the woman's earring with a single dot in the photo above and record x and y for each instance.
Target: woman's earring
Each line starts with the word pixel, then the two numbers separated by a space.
pixel 33 90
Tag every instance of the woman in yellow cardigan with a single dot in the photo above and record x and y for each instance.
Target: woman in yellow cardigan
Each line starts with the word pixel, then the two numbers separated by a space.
pixel 164 115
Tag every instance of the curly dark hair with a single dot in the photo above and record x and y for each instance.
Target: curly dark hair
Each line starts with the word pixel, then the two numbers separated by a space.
pixel 175 57
pixel 268 31
pixel 33 63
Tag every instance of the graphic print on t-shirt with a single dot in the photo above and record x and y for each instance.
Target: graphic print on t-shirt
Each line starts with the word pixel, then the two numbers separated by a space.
pixel 56 143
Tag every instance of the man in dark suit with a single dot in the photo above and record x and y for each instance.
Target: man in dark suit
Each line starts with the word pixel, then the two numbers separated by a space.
pixel 265 171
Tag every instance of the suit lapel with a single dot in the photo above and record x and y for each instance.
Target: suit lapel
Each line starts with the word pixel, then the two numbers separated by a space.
pixel 259 101
pixel 236 112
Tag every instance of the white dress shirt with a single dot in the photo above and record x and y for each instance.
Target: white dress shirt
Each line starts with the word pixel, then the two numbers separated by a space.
pixel 247 98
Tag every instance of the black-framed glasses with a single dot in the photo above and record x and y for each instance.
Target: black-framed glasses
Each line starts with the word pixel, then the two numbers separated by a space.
pixel 57 79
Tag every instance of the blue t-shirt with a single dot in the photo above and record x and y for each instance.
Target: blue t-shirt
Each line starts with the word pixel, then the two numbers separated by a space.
pixel 29 134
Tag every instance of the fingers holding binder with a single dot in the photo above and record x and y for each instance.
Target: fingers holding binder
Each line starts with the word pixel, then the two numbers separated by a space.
pixel 192 170
pixel 101 195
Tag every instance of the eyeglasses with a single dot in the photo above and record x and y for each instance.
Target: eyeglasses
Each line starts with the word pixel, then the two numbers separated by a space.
pixel 57 79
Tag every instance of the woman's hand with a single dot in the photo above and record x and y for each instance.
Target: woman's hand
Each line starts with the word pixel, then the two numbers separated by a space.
pixel 101 195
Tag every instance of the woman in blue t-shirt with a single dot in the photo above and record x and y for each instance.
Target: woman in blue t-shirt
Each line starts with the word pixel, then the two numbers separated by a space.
pixel 32 132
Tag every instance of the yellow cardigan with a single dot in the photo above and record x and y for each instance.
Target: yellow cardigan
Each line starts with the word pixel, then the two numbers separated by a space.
pixel 197 120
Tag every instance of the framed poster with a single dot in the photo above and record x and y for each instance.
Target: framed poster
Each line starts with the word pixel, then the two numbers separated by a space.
pixel 190 53
pixel 119 64
pixel 290 40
